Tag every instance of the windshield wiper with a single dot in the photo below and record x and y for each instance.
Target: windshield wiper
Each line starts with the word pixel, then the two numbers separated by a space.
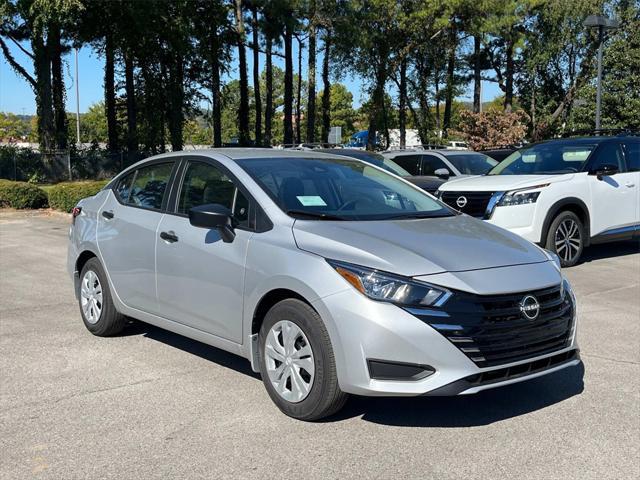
pixel 420 215
pixel 318 215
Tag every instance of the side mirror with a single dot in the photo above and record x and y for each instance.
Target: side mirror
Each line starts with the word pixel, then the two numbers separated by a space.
pixel 443 173
pixel 604 170
pixel 215 216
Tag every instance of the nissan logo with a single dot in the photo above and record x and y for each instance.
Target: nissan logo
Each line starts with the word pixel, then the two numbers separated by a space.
pixel 461 202
pixel 530 307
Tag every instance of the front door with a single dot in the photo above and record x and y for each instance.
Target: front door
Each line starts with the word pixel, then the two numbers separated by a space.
pixel 127 224
pixel 200 277
pixel 613 197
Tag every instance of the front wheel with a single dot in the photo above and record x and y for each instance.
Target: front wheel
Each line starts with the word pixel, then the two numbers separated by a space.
pixel 566 238
pixel 297 363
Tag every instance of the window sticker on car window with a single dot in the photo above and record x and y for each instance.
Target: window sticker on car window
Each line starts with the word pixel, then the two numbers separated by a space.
pixel 311 201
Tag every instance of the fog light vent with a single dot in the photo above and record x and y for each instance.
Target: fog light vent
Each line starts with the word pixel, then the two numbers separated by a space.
pixel 383 370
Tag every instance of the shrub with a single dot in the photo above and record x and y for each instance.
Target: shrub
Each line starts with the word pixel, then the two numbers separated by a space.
pixel 492 129
pixel 21 164
pixel 21 195
pixel 64 196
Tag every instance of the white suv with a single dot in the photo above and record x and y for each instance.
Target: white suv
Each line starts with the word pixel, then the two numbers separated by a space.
pixel 562 194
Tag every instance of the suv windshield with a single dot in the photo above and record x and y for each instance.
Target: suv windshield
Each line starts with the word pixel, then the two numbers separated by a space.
pixel 472 163
pixel 545 158
pixel 339 189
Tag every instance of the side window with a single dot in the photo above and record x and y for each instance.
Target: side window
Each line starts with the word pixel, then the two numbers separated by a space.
pixel 608 154
pixel 149 185
pixel 123 188
pixel 204 184
pixel 411 163
pixel 633 156
pixel 431 163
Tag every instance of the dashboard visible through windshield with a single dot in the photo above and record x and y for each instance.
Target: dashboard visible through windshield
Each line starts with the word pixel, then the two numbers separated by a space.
pixel 339 189
pixel 545 158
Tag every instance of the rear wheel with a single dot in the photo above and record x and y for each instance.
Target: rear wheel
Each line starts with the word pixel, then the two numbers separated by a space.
pixel 297 363
pixel 98 312
pixel 566 238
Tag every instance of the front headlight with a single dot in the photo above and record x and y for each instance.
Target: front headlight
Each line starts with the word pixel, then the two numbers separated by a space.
pixel 387 287
pixel 520 197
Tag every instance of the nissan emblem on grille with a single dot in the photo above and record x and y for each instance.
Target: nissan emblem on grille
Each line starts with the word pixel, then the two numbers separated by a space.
pixel 461 201
pixel 530 307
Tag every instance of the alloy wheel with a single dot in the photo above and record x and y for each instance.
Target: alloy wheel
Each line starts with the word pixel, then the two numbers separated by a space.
pixel 568 240
pixel 91 297
pixel 289 361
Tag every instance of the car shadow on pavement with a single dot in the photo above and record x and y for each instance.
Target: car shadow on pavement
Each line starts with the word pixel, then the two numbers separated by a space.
pixel 484 408
pixel 608 250
pixel 202 350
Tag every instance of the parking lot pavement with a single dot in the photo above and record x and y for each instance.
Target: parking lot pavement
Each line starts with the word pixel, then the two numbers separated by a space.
pixel 151 404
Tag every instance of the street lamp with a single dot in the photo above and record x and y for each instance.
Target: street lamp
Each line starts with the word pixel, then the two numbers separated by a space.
pixel 602 23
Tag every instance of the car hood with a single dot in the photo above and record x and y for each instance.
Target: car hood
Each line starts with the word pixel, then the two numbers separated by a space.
pixel 430 184
pixel 417 247
pixel 501 182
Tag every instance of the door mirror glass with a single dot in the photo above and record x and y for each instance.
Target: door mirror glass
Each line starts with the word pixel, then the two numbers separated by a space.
pixel 212 216
pixel 442 173
pixel 604 170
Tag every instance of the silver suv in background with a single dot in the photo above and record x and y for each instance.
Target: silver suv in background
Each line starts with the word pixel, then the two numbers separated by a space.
pixel 330 275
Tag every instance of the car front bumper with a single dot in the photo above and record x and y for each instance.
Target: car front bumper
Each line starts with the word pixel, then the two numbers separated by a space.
pixel 362 330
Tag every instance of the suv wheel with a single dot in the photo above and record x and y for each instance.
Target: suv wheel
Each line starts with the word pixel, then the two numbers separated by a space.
pixel 98 312
pixel 297 363
pixel 566 238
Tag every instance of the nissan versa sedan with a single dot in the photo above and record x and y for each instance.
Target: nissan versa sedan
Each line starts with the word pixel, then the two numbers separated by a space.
pixel 330 275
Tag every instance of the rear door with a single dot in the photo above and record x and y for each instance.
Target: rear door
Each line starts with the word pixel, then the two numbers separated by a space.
pixel 431 163
pixel 127 225
pixel 614 198
pixel 201 278
pixel 632 156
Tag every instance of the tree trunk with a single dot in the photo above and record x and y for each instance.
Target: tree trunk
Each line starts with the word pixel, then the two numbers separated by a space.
pixel 299 95
pixel 451 68
pixel 44 108
pixel 110 96
pixel 326 90
pixel 243 111
pixel 402 107
pixel 57 87
pixel 311 75
pixel 509 72
pixel 477 79
pixel 256 75
pixel 216 100
pixel 268 113
pixel 288 85
pixel 176 101
pixel 132 133
pixel 437 96
pixel 377 100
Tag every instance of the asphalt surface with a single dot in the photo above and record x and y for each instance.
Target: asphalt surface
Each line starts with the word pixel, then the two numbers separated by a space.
pixel 151 404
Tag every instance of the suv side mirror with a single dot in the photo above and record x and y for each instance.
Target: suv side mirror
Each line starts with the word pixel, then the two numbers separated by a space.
pixel 442 173
pixel 604 170
pixel 216 216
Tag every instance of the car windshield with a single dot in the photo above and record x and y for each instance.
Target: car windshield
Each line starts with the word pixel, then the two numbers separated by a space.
pixel 339 189
pixel 472 163
pixel 375 159
pixel 545 158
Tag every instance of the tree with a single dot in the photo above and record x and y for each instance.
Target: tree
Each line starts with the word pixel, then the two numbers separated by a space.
pixel 492 129
pixel 311 80
pixel 243 111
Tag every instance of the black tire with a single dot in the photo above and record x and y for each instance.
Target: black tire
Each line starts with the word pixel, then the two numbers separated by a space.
pixel 110 321
pixel 569 253
pixel 325 397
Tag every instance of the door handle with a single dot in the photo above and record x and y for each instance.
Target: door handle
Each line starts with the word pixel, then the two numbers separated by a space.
pixel 630 184
pixel 170 236
pixel 107 214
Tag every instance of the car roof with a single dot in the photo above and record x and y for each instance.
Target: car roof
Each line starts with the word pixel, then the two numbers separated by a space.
pixel 351 152
pixel 245 153
pixel 415 151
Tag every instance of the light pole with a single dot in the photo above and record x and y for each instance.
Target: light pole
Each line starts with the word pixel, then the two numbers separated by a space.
pixel 602 23
pixel 77 101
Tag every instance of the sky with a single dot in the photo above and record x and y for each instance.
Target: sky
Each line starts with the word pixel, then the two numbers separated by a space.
pixel 17 97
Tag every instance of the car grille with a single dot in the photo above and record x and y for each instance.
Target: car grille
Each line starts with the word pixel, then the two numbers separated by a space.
pixel 492 330
pixel 476 205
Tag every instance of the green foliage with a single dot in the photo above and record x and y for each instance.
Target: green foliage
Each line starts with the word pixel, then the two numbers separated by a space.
pixel 64 196
pixel 21 195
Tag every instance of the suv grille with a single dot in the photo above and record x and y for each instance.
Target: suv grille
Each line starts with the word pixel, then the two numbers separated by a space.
pixel 476 205
pixel 492 330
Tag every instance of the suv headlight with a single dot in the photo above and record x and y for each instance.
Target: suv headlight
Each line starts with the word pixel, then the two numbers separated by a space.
pixel 387 287
pixel 520 197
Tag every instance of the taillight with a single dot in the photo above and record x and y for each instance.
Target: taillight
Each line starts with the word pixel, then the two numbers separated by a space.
pixel 74 213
